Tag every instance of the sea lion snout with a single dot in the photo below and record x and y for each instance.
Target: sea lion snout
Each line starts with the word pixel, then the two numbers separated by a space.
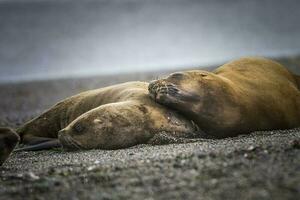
pixel 160 89
pixel 168 93
pixel 67 142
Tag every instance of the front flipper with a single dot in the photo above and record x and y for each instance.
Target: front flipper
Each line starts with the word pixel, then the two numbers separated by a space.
pixel 33 140
pixel 54 143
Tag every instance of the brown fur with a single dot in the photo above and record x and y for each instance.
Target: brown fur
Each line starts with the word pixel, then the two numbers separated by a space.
pixel 113 117
pixel 242 96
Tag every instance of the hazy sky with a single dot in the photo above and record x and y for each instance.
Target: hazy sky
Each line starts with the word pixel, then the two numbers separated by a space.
pixel 46 39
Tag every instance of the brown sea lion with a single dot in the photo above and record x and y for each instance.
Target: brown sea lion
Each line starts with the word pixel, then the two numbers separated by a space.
pixel 249 94
pixel 113 117
pixel 127 117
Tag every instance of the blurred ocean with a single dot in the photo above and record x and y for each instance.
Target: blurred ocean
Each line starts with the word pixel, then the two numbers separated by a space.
pixel 42 39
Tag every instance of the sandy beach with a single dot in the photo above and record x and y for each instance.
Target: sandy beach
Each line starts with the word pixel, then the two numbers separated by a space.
pixel 262 165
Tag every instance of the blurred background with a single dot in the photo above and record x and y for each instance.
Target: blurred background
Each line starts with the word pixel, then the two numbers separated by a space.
pixel 46 39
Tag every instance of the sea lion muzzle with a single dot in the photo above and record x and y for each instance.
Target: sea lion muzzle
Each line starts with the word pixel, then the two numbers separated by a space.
pixel 67 142
pixel 168 93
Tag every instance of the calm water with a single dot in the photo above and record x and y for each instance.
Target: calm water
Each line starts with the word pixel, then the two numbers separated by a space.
pixel 47 39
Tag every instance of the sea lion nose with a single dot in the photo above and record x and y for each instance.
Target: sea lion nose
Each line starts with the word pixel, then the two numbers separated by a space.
pixel 61 133
pixel 62 137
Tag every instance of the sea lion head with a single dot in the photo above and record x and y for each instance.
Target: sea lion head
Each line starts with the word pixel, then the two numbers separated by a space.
pixel 201 96
pixel 92 130
pixel 81 133
pixel 8 140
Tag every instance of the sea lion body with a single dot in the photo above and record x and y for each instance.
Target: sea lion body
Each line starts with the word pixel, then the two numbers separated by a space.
pixel 113 117
pixel 242 96
pixel 266 93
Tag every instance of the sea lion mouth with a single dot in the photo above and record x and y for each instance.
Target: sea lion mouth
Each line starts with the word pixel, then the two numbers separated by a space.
pixel 68 143
pixel 167 93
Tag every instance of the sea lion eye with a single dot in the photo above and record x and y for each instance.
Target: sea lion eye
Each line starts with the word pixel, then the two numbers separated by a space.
pixel 78 128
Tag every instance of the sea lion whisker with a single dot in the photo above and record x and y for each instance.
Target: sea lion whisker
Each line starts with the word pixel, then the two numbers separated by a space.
pixel 171 85
pixel 168 90
pixel 67 141
pixel 173 89
pixel 64 141
pixel 74 143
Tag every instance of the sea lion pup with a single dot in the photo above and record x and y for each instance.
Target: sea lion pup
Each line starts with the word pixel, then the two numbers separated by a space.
pixel 249 94
pixel 113 117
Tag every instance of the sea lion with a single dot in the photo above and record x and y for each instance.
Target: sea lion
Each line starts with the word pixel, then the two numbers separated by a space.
pixel 113 117
pixel 245 95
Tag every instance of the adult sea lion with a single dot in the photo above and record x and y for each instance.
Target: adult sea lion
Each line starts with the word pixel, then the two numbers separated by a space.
pixel 239 97
pixel 249 94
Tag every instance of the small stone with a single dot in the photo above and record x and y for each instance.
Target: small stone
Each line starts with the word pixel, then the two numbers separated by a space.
pixel 31 176
pixel 90 168
pixel 251 148
pixel 214 181
pixel 182 162
pixel 97 162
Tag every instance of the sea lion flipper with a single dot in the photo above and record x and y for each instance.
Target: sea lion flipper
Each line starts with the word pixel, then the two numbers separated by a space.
pixel 33 140
pixel 41 146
